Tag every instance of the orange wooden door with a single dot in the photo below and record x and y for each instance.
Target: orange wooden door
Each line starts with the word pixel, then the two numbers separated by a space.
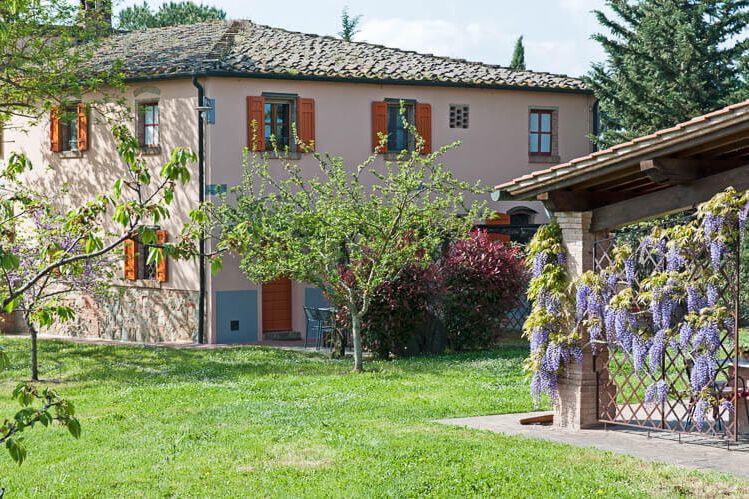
pixel 277 306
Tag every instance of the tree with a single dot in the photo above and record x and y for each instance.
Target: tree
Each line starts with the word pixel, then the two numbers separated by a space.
pixel 169 14
pixel 349 25
pixel 43 46
pixel 345 230
pixel 38 406
pixel 667 61
pixel 518 56
pixel 46 253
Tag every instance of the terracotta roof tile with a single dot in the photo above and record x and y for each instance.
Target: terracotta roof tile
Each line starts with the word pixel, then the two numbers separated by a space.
pixel 245 47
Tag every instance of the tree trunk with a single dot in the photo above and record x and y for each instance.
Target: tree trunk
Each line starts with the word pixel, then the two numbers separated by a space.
pixel 356 334
pixel 338 342
pixel 34 359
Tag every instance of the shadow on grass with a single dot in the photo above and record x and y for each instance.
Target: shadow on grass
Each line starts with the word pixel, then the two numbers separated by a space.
pixel 80 362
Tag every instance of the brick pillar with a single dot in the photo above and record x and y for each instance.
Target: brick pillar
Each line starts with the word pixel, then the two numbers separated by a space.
pixel 575 406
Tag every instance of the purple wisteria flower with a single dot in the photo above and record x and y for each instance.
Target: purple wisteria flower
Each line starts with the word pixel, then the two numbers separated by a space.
pixel 657 392
pixel 538 264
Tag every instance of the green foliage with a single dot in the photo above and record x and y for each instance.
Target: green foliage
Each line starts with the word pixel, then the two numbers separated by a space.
pixel 349 25
pixel 348 230
pixel 39 407
pixel 518 56
pixel 667 61
pixel 43 46
pixel 139 17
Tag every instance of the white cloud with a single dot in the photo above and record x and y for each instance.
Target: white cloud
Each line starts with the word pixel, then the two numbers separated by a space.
pixel 475 41
pixel 438 37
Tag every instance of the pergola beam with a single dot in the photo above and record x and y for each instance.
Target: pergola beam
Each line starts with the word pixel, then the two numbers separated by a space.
pixel 672 170
pixel 673 199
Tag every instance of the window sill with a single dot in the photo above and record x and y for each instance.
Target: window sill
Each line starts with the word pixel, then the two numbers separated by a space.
pixel 143 283
pixel 539 158
pixel 283 155
pixel 393 156
pixel 150 150
pixel 71 154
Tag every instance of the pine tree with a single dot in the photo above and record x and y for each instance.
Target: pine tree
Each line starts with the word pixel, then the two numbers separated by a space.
pixel 169 14
pixel 349 25
pixel 667 61
pixel 518 56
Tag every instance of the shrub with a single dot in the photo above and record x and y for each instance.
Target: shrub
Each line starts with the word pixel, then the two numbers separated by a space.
pixel 459 301
pixel 403 313
pixel 482 280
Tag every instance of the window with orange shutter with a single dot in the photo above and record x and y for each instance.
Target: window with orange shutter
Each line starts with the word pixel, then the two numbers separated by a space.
pixel 395 119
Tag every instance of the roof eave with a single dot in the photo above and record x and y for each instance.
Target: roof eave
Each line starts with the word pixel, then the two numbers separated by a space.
pixel 338 79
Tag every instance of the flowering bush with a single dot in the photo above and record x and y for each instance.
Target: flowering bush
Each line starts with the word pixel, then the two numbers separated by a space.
pixel 482 279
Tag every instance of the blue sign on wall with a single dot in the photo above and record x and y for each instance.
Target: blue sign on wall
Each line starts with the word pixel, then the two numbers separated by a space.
pixel 210 116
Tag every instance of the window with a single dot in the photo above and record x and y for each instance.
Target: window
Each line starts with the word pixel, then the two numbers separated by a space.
pixel 137 266
pixel 399 136
pixel 69 129
pixel 522 216
pixel 540 132
pixel 147 270
pixel 458 116
pixel 277 124
pixel 149 124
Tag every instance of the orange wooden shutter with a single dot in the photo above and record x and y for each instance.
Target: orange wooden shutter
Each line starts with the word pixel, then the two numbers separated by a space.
pixel 424 126
pixel 256 113
pixel 54 130
pixel 82 127
pixel 306 122
pixel 379 124
pixel 161 267
pixel 131 260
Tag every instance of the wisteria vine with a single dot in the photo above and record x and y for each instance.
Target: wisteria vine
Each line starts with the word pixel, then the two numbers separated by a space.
pixel 553 344
pixel 637 310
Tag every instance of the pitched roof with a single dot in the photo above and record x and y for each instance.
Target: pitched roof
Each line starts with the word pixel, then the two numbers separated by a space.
pixel 627 153
pixel 244 48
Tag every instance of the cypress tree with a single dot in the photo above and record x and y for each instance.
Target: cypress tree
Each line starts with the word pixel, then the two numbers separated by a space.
pixel 518 56
pixel 667 61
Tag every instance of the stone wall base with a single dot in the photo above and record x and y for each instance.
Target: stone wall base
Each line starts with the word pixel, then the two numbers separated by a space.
pixel 133 314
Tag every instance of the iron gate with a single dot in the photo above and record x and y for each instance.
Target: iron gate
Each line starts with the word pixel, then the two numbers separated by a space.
pixel 621 388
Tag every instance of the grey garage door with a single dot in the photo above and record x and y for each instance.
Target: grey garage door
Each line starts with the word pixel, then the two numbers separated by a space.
pixel 236 316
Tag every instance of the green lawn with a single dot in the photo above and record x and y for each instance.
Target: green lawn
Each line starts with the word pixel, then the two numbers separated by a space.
pixel 262 422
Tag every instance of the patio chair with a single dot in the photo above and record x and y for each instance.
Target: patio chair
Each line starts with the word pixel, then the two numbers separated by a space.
pixel 312 330
pixel 326 318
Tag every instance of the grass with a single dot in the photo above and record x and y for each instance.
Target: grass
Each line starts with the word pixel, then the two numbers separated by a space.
pixel 263 422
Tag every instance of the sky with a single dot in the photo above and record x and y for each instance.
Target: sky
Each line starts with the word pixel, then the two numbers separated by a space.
pixel 556 32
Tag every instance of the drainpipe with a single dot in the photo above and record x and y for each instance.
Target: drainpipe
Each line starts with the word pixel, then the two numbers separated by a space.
pixel 201 198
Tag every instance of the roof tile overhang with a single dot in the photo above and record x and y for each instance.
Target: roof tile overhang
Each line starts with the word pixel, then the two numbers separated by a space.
pixel 706 144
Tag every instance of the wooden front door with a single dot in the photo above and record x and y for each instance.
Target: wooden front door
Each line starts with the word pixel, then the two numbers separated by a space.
pixel 277 306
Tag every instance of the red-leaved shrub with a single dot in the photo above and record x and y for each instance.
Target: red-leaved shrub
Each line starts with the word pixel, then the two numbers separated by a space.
pixel 459 301
pixel 482 281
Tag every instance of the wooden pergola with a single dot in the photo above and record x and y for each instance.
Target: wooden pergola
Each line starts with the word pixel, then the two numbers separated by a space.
pixel 665 172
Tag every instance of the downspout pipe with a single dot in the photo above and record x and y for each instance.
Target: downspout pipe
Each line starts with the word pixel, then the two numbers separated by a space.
pixel 201 199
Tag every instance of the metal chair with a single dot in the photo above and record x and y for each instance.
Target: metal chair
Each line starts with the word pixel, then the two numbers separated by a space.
pixel 312 330
pixel 326 324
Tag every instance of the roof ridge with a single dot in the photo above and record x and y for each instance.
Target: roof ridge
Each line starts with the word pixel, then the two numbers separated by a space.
pixel 443 57
pixel 224 44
